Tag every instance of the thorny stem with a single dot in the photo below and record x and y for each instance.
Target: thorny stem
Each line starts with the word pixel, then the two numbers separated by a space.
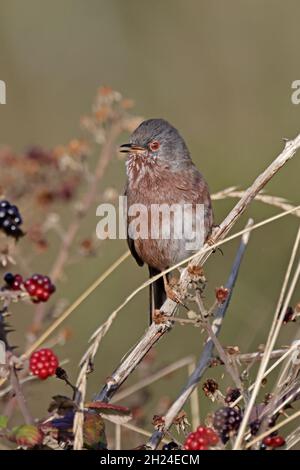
pixel 223 355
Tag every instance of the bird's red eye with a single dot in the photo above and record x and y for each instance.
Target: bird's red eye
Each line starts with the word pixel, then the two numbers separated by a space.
pixel 154 145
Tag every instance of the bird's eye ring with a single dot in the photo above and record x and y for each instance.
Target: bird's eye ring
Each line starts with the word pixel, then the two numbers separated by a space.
pixel 154 145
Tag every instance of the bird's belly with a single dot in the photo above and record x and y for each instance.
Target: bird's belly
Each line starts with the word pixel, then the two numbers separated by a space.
pixel 170 238
pixel 162 254
pixel 173 240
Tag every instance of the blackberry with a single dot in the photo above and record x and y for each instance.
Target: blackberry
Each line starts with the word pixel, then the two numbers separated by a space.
pixel 227 421
pixel 10 219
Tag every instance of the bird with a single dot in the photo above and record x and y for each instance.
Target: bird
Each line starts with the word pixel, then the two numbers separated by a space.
pixel 160 171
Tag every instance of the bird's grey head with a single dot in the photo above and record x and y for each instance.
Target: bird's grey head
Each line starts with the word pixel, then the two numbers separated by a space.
pixel 157 139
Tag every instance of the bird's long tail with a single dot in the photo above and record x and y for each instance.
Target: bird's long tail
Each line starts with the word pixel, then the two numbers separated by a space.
pixel 157 293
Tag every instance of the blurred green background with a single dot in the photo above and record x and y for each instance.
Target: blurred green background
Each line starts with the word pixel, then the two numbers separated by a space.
pixel 221 72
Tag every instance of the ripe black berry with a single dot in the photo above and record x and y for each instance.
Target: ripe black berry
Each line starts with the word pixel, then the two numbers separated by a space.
pixel 10 219
pixel 226 421
pixel 9 278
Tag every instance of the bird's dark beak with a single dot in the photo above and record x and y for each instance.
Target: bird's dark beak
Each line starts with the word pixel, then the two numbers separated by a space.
pixel 126 148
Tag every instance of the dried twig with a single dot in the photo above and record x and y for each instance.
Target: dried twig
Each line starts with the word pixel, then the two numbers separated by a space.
pixel 274 201
pixel 154 332
pixel 186 361
pixel 206 355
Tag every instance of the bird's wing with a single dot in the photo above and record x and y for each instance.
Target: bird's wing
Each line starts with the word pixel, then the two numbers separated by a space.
pixel 130 241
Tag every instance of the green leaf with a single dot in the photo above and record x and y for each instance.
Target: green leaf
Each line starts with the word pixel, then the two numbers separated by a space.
pixel 3 421
pixel 26 435
pixel 94 432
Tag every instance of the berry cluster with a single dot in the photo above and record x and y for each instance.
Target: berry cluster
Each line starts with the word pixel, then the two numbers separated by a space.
pixel 227 421
pixel 13 281
pixel 39 287
pixel 273 441
pixel 201 439
pixel 10 219
pixel 43 363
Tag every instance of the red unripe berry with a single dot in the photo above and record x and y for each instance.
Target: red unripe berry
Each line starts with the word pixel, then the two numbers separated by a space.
pixel 201 430
pixel 43 363
pixel 194 445
pixel 39 287
pixel 277 441
pixel 268 441
pixel 202 441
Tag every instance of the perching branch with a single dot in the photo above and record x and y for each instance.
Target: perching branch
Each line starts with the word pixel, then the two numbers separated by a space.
pixel 205 358
pixel 155 332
